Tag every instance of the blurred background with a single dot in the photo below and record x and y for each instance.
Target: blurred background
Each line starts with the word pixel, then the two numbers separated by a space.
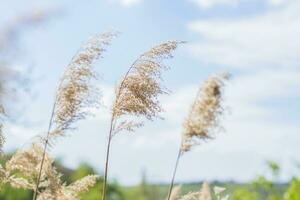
pixel 255 40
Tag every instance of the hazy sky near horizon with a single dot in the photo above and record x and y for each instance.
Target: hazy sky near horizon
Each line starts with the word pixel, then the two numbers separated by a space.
pixel 255 40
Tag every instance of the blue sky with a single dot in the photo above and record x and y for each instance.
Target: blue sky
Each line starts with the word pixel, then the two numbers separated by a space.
pixel 255 40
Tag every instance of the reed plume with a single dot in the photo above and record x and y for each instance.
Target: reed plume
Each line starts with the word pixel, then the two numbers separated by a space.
pixel 175 193
pixel 137 94
pixel 22 169
pixel 218 193
pixel 203 118
pixel 75 95
pixel 205 194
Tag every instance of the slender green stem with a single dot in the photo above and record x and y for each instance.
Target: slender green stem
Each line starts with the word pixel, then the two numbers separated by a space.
pixel 107 160
pixel 174 174
pixel 44 154
pixel 112 122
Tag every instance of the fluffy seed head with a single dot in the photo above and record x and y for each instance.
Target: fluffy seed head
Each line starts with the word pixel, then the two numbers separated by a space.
pixel 19 183
pixel 71 192
pixel 137 94
pixel 22 169
pixel 76 93
pixel 27 162
pixel 218 190
pixel 175 193
pixel 82 185
pixel 203 118
pixel 191 196
pixel 205 192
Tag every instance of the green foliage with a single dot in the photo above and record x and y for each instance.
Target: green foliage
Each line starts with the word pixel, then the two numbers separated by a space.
pixel 9 193
pixel 144 191
pixel 293 192
pixel 244 194
pixel 274 167
pixel 114 190
pixel 262 184
pixel 261 188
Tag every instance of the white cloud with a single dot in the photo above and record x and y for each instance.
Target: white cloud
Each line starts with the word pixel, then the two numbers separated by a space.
pixel 211 3
pixel 270 39
pixel 275 2
pixel 128 3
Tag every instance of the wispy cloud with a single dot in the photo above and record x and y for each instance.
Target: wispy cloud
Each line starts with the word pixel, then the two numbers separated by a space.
pixel 128 3
pixel 267 40
pixel 206 4
pixel 212 3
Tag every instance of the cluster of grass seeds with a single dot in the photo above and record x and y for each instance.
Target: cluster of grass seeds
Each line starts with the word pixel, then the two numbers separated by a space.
pixel 137 94
pixel 203 119
pixel 205 193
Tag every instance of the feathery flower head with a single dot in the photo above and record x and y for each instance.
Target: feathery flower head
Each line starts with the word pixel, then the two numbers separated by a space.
pixel 71 192
pixel 81 185
pixel 76 94
pixel 218 190
pixel 22 169
pixel 175 193
pixel 203 118
pixel 137 94
pixel 28 161
pixel 205 192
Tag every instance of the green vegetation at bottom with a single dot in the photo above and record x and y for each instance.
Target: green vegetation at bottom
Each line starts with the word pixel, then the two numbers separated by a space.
pixel 259 189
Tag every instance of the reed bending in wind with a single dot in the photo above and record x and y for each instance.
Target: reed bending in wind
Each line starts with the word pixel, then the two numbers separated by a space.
pixel 137 94
pixel 22 168
pixel 204 194
pixel 75 94
pixel 203 118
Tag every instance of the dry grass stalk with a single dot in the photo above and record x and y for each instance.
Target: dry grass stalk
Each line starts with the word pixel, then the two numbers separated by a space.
pixel 203 118
pixel 75 94
pixel 218 191
pixel 175 193
pixel 205 194
pixel 137 94
pixel 23 168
